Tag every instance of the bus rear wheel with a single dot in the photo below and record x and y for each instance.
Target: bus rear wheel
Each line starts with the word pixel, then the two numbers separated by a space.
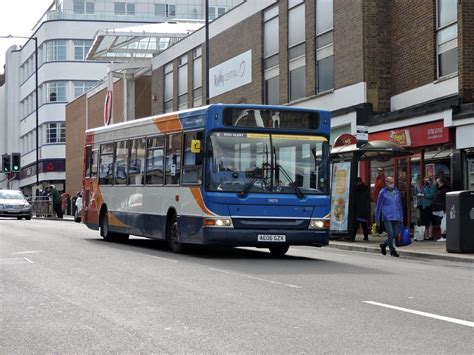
pixel 172 234
pixel 279 250
pixel 106 233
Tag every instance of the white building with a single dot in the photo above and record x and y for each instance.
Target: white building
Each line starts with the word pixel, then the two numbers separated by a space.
pixel 64 35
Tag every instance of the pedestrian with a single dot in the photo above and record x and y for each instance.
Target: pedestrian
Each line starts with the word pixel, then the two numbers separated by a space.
pixel 438 205
pixel 390 211
pixel 425 196
pixel 57 202
pixel 378 186
pixel 361 209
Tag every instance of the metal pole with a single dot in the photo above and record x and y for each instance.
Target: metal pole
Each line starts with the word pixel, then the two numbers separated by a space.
pixel 37 112
pixel 207 51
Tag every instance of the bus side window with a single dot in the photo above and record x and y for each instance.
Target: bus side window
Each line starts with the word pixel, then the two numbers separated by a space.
pixel 136 161
pixel 121 157
pixel 192 162
pixel 173 159
pixel 106 167
pixel 93 163
pixel 154 160
pixel 87 170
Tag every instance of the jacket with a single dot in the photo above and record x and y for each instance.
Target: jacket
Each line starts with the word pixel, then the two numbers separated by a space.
pixel 429 192
pixel 378 185
pixel 362 201
pixel 439 201
pixel 389 204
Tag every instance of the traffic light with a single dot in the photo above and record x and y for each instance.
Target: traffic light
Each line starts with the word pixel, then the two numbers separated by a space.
pixel 6 163
pixel 16 162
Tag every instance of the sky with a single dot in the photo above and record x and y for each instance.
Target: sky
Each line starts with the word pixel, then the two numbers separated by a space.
pixel 17 17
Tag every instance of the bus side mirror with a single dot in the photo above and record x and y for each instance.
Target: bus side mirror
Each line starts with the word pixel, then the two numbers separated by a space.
pixel 195 146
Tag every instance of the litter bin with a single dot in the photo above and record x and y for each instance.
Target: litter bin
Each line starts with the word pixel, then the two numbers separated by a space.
pixel 460 222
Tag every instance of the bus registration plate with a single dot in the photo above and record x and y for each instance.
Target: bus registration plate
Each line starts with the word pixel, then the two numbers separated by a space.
pixel 271 238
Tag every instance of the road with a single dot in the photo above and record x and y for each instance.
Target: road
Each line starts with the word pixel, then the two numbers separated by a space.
pixel 65 290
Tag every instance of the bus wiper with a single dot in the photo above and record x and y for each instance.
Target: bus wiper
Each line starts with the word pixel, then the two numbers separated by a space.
pixel 255 173
pixel 298 191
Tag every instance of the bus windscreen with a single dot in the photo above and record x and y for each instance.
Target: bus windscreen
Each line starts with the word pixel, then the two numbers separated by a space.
pixel 249 117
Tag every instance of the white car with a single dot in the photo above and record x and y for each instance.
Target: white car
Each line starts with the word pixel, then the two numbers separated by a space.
pixel 78 209
pixel 14 204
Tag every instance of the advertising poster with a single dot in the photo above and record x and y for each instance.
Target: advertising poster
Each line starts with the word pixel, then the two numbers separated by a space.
pixel 340 196
pixel 430 170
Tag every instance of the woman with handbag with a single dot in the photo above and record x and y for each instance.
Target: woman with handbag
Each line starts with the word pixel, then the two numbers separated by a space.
pixel 389 207
pixel 426 195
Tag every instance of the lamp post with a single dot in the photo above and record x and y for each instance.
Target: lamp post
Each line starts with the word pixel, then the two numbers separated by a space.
pixel 36 99
pixel 207 50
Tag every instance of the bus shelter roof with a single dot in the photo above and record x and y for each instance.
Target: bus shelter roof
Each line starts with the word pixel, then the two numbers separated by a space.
pixel 375 150
pixel 139 42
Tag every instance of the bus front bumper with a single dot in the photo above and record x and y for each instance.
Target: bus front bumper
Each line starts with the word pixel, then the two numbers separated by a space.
pixel 264 238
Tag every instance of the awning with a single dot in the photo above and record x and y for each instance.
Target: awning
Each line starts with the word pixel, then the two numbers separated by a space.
pixel 374 150
pixel 139 42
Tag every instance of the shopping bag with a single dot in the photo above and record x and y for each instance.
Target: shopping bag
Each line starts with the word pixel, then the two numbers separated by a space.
pixel 374 229
pixel 419 232
pixel 403 238
pixel 443 225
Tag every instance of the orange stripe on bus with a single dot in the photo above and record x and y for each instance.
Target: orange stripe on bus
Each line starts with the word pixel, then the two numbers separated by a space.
pixel 168 123
pixel 196 191
pixel 114 221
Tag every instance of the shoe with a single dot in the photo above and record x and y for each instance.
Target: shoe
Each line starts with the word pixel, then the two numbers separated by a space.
pixel 395 254
pixel 441 239
pixel 366 239
pixel 383 249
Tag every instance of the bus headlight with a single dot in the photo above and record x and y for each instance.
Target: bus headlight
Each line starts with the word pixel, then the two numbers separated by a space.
pixel 218 222
pixel 319 223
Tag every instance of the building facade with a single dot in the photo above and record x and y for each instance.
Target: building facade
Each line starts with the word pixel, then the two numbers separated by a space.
pixel 64 36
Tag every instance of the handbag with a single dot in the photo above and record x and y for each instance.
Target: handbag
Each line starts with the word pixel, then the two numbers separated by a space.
pixel 419 232
pixel 403 238
pixel 374 228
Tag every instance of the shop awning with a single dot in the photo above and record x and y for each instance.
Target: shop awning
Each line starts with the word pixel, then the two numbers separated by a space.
pixel 374 150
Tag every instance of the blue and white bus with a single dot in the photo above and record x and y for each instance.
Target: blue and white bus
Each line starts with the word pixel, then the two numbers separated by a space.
pixel 234 175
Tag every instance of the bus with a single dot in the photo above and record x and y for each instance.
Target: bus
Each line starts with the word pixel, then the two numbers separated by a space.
pixel 225 175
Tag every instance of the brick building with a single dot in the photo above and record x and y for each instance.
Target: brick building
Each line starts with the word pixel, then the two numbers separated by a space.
pixel 404 68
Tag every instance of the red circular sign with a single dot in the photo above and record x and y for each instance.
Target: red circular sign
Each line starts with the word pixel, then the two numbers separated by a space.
pixel 108 108
pixel 344 139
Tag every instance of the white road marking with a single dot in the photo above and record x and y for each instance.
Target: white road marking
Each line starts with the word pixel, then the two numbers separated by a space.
pixel 424 314
pixel 159 257
pixel 29 260
pixel 255 278
pixel 27 252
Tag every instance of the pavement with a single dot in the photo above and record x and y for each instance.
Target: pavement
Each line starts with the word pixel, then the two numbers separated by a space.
pixel 426 249
pixel 417 249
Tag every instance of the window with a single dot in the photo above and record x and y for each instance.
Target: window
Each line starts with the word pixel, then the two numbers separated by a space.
pixel 197 77
pixel 121 158
pixel 165 10
pixel 91 162
pixel 56 91
pixel 168 97
pixel 173 159
pixel 296 49
pixel 121 8
pixel 154 160
pixel 56 132
pixel 271 56
pixel 56 50
pixel 81 87
pixel 324 45
pixel 447 37
pixel 183 83
pixel 192 164
pixel 136 162
pixel 81 47
pixel 106 167
pixel 81 7
pixel 215 12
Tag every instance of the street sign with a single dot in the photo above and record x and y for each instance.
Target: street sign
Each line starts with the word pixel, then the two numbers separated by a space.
pixel 362 133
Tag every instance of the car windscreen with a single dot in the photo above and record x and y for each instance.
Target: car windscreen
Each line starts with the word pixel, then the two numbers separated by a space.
pixel 11 195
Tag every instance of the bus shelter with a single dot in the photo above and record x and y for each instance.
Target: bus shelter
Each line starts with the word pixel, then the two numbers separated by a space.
pixel 347 161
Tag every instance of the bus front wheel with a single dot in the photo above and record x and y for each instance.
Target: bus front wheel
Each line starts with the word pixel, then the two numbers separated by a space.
pixel 106 233
pixel 279 250
pixel 173 235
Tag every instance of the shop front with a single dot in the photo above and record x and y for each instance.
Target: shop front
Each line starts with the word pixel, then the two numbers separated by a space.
pixel 432 149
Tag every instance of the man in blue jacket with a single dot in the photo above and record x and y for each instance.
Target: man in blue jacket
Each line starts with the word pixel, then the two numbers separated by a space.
pixel 389 207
